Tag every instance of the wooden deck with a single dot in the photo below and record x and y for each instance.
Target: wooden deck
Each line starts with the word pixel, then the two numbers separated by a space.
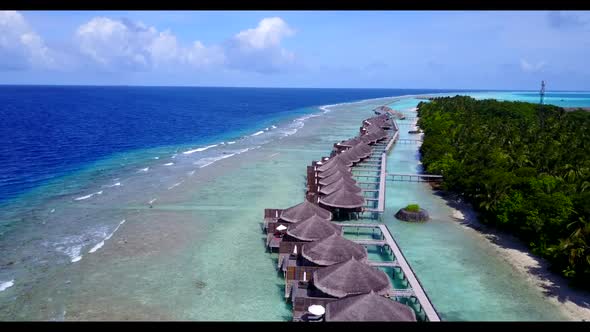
pixel 413 281
pixel 409 140
pixel 415 289
pixel 413 177
pixel 372 168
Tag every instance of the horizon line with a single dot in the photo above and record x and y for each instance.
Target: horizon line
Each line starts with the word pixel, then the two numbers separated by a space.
pixel 279 87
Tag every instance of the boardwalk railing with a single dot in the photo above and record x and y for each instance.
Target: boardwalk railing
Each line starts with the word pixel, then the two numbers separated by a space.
pixel 414 177
pixel 416 289
pixel 415 284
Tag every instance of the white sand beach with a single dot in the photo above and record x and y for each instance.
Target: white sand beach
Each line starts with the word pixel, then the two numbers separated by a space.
pixel 574 303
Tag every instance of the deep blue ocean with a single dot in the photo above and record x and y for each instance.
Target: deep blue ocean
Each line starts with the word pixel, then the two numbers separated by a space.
pixel 50 131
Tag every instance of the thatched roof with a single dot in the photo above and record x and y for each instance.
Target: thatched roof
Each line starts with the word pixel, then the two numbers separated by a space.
pixel 334 161
pixel 351 278
pixel 335 177
pixel 313 229
pixel 349 156
pixel 361 150
pixel 339 167
pixel 368 307
pixel 332 250
pixel 344 199
pixel 350 143
pixel 304 211
pixel 341 183
pixel 369 138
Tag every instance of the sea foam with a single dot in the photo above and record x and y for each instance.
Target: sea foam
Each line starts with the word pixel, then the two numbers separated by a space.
pixel 88 196
pixel 175 185
pixel 6 284
pixel 101 243
pixel 258 133
pixel 200 149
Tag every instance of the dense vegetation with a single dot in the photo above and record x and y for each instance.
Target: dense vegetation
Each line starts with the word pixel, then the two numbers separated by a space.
pixel 412 208
pixel 524 167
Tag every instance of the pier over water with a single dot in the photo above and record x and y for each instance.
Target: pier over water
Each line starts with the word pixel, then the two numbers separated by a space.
pixel 347 190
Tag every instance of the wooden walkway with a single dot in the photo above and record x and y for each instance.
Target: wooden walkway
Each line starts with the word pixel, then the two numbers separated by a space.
pixel 415 285
pixel 414 177
pixel 409 140
pixel 415 289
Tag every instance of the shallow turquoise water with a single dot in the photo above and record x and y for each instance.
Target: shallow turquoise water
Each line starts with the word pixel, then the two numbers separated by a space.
pixel 198 253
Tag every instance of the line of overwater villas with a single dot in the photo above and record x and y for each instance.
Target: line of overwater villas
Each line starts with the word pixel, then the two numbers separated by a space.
pixel 333 272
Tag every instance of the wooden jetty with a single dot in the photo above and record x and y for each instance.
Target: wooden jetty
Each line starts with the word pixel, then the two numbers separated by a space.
pixel 415 289
pixel 414 177
pixel 409 140
pixel 371 176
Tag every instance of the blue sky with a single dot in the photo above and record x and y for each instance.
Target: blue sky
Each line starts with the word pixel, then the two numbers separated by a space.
pixel 351 49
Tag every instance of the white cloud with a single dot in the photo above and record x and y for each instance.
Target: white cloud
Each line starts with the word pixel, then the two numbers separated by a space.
pixel 531 67
pixel 121 44
pixel 20 46
pixel 268 34
pixel 259 49
pixel 133 45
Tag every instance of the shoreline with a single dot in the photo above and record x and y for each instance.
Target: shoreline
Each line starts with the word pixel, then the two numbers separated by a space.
pixel 573 303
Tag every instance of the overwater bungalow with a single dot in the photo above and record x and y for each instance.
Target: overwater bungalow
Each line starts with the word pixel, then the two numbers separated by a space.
pixel 337 175
pixel 350 156
pixel 329 250
pixel 351 277
pixel 313 229
pixel 303 211
pixel 320 266
pixel 340 184
pixel 324 166
pixel 368 307
pixel 337 168
pixel 332 250
pixel 328 284
pixel 349 143
pixel 343 199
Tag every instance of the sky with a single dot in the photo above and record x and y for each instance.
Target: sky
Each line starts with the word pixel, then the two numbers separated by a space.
pixel 501 50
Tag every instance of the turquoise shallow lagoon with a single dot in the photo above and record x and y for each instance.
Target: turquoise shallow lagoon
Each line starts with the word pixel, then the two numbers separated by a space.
pixel 198 252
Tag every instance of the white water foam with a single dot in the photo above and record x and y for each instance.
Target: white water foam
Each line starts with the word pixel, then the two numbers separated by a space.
pixel 101 243
pixel 6 284
pixel 144 169
pixel 87 196
pixel 169 164
pixel 200 149
pixel 174 156
pixel 113 185
pixel 231 142
pixel 274 127
pixel 52 210
pixel 156 157
pixel 83 197
pixel 191 172
pixel 211 160
pixel 72 251
pixel 298 124
pixel 258 133
pixel 175 185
